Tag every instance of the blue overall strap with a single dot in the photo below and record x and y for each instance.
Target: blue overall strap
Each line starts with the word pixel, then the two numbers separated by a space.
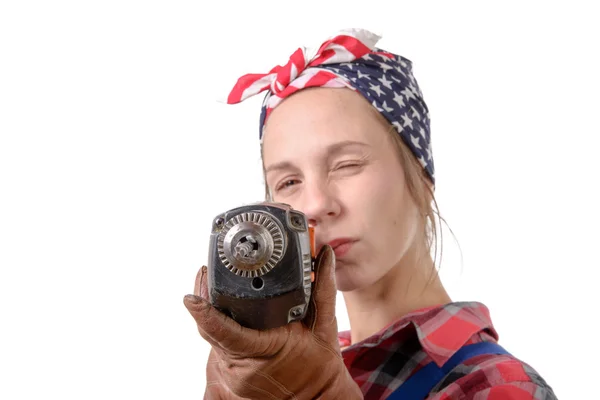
pixel 418 386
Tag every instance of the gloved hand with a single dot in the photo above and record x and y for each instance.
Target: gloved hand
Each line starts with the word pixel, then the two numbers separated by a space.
pixel 301 360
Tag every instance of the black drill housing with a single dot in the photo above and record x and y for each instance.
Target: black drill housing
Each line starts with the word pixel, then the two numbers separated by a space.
pixel 274 298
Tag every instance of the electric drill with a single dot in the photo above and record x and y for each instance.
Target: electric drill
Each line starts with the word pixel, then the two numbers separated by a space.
pixel 261 263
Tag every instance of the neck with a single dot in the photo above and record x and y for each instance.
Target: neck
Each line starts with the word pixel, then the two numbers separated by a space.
pixel 411 285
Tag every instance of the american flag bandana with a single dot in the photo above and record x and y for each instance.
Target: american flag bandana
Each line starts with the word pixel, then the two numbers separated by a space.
pixel 350 59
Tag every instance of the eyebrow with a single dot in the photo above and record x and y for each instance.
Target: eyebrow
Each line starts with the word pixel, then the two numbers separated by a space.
pixel 279 166
pixel 332 149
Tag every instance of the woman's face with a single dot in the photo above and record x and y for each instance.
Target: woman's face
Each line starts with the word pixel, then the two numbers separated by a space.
pixel 326 153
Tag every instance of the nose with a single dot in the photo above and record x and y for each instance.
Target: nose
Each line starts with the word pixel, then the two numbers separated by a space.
pixel 319 202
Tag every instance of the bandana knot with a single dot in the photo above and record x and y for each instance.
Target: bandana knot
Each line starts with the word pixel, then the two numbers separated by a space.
pixel 347 46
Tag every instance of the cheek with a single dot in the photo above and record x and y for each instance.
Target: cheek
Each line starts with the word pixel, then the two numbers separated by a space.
pixel 385 213
pixel 378 196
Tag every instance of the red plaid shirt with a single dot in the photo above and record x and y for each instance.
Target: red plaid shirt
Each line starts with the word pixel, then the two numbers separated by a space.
pixel 382 362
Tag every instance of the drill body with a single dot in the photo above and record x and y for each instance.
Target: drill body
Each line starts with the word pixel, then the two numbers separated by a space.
pixel 260 264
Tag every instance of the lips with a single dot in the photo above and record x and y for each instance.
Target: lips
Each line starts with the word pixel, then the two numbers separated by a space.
pixel 341 246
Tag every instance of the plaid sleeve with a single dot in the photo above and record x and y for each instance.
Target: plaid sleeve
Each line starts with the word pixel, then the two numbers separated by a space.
pixel 493 377
pixel 515 391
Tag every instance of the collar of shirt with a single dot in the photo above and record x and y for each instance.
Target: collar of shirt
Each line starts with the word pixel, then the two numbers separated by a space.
pixel 441 330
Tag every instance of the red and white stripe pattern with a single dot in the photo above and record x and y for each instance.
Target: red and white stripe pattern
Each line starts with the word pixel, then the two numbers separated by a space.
pixel 302 69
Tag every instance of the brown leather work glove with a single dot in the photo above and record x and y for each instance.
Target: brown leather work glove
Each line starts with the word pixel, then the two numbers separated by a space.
pixel 301 360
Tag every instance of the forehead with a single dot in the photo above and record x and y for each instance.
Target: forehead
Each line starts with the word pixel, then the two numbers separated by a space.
pixel 315 119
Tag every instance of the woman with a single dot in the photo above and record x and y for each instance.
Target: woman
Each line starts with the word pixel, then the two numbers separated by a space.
pixel 345 139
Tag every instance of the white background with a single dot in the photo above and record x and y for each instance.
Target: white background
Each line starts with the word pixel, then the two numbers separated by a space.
pixel 115 156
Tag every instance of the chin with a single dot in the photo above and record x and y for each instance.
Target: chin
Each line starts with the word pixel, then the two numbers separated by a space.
pixel 350 276
pixel 347 280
